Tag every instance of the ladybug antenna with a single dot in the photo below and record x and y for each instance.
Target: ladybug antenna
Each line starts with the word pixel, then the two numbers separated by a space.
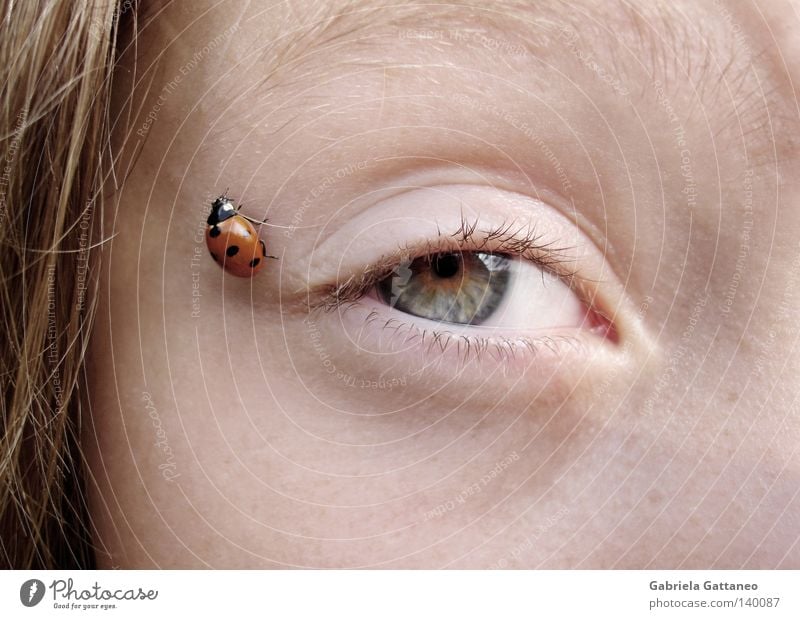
pixel 263 222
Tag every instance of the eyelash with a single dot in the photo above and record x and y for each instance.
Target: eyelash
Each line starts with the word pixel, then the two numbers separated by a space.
pixel 507 240
pixel 503 240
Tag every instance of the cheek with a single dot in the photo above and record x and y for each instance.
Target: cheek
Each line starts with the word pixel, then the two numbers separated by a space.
pixel 224 435
pixel 230 432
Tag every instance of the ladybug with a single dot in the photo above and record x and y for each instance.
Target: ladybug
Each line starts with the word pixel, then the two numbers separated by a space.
pixel 233 241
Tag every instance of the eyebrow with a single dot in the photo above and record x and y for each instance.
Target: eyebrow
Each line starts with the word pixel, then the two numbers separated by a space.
pixel 689 60
pixel 617 32
pixel 337 26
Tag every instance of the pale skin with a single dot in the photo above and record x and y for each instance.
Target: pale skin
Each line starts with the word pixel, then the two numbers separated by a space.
pixel 232 428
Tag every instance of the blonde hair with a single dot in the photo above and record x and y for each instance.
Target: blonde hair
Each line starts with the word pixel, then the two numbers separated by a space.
pixel 56 59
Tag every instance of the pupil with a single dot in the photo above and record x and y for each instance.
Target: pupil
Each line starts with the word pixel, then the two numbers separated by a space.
pixel 446 265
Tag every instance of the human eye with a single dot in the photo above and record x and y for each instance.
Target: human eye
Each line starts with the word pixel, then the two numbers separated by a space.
pixel 468 282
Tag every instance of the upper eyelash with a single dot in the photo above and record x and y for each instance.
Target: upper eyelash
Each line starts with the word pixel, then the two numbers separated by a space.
pixel 524 242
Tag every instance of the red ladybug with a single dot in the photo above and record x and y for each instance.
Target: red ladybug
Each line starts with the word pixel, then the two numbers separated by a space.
pixel 233 241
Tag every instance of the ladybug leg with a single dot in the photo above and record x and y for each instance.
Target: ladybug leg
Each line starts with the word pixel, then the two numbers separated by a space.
pixel 250 219
pixel 264 251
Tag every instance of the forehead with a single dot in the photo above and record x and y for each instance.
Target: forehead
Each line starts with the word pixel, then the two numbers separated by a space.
pixel 700 51
pixel 263 75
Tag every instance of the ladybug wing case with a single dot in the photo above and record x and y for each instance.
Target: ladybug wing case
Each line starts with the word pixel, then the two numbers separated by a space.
pixel 235 246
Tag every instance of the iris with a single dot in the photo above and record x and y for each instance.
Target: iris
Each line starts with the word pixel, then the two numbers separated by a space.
pixel 457 287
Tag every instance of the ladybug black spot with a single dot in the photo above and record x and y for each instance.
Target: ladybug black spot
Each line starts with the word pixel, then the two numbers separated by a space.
pixel 254 262
pixel 214 232
pixel 232 250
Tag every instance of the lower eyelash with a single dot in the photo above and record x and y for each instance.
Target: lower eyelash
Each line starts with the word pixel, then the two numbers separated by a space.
pixel 472 348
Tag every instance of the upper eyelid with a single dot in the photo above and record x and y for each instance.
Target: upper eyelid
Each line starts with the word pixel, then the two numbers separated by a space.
pixel 522 241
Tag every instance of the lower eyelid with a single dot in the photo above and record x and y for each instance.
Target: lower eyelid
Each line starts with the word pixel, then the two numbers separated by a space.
pixel 376 329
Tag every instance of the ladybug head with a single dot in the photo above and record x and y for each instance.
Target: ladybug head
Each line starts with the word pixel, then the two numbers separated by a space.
pixel 221 209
